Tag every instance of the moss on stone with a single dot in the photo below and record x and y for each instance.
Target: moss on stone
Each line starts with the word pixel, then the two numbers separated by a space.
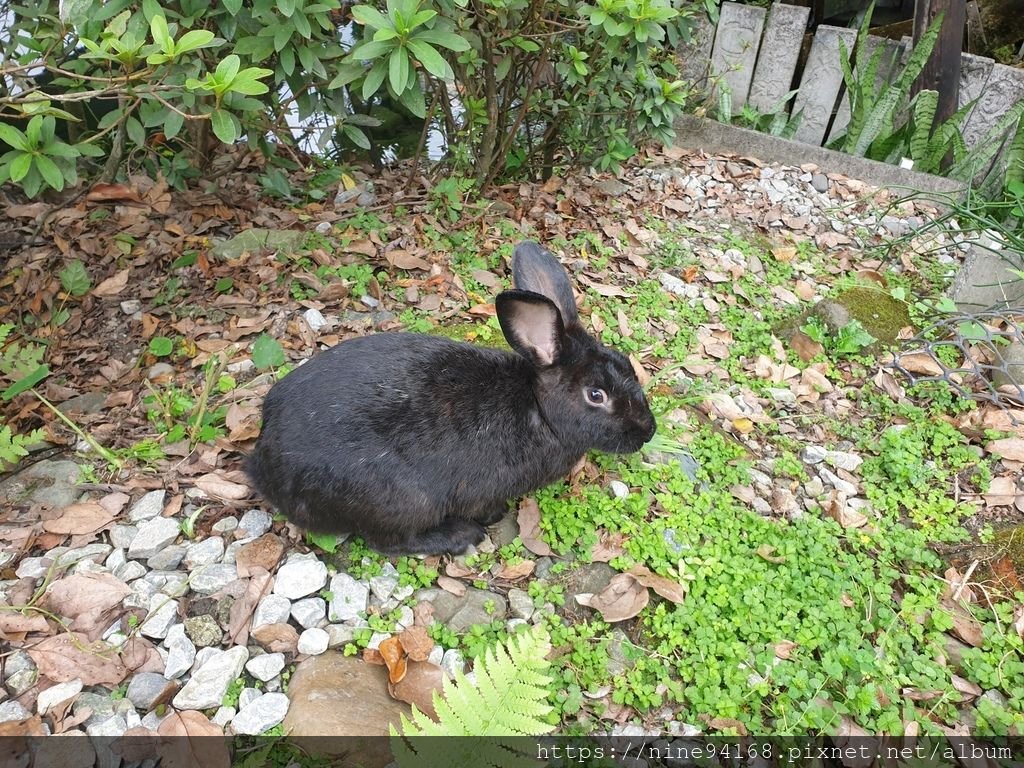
pixel 880 314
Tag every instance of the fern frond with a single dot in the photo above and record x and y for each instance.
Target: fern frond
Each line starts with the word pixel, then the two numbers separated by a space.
pixel 508 700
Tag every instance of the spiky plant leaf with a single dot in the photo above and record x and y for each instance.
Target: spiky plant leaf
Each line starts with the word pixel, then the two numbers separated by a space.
pixel 508 700
pixel 923 109
pixel 987 146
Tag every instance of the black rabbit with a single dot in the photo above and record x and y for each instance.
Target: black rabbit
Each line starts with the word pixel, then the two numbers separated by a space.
pixel 417 442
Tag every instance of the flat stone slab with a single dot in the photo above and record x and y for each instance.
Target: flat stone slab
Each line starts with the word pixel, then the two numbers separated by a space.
pixel 737 41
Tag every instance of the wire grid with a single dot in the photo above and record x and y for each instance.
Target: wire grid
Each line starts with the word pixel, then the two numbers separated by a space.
pixel 979 340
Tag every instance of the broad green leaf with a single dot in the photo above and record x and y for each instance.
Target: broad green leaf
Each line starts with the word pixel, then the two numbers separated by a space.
pixel 228 68
pixel 356 136
pixel 161 34
pixel 248 81
pixel 412 99
pixel 12 136
pixel 60 149
pixel 193 40
pixel 444 39
pixel 173 124
pixel 398 70
pixel 286 7
pixel 224 126
pixel 328 542
pixel 50 172
pixel 160 346
pixel 431 60
pixel 233 6
pixel 26 382
pixel 267 353
pixel 302 26
pixel 371 50
pixel 420 18
pixel 136 132
pixel 370 17
pixel 20 167
pixel 374 79
pixel 74 279
pixel 89 150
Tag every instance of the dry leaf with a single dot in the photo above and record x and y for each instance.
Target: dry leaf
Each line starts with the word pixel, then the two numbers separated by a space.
pixel 784 649
pixel 1001 492
pixel 966 687
pixel 668 588
pixel 393 653
pixel 839 510
pixel 723 723
pixel 113 285
pixel 217 487
pixel 520 570
pixel 529 528
pixel 405 260
pixel 805 347
pixel 920 362
pixel 242 609
pixel 69 655
pixel 966 627
pixel 784 253
pixel 448 584
pixel 262 553
pixel 1011 448
pixel 277 638
pixel 417 642
pixel 609 546
pixel 888 384
pixel 421 681
pixel 622 599
pixel 101 193
pixel 92 601
pixel 765 552
pixel 87 517
pixel 195 750
pixel 13 623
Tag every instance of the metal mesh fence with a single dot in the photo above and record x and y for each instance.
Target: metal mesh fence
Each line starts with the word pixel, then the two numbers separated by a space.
pixel 980 355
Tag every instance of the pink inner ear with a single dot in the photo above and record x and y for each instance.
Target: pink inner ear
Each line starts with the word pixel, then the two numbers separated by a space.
pixel 535 326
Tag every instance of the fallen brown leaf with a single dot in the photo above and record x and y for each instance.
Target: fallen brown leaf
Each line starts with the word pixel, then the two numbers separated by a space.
pixel 393 654
pixel 448 584
pixel 69 655
pixel 622 599
pixel 920 362
pixel 520 570
pixel 608 547
pixel 784 649
pixel 839 510
pixel 87 517
pixel 668 588
pixel 242 609
pixel 529 528
pixel 405 260
pixel 417 642
pixel 112 285
pixel 277 638
pixel 263 553
pixel 767 552
pixel 965 626
pixel 1011 448
pixel 724 723
pixel 1001 492
pixel 91 601
pixel 101 193
pixel 11 623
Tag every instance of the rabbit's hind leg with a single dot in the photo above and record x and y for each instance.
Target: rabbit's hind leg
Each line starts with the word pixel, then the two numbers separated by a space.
pixel 452 536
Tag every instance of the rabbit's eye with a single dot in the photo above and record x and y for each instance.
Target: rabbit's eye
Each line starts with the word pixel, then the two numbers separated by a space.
pixel 596 396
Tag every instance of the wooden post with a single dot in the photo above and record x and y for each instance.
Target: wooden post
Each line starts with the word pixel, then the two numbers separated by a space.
pixel 942 71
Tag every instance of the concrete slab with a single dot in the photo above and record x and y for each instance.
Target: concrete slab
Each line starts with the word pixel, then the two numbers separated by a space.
pixel 737 41
pixel 822 79
pixel 780 49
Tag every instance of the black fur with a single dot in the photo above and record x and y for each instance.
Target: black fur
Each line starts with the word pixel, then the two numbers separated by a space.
pixel 416 442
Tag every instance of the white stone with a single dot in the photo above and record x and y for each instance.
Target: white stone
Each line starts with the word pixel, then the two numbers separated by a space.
pixel 520 604
pixel 168 558
pixel 265 667
pixel 148 507
pixel 813 454
pixel 153 536
pixel 310 612
pixel 223 716
pixel 619 489
pixel 33 567
pixel 841 460
pixel 302 575
pixel 349 598
pixel 255 523
pixel 453 662
pixel 121 535
pixel 163 614
pixel 340 634
pixel 383 584
pixel 130 571
pixel 115 560
pixel 225 524
pixel 313 641
pixel 206 552
pixel 207 579
pixel 261 715
pixel 181 652
pixel 272 609
pixel 56 694
pixel 314 319
pixel 247 697
pixel 207 686
pixel 112 726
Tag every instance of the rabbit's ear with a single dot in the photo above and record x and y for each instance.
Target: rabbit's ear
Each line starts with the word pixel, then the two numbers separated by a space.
pixel 532 325
pixel 535 269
